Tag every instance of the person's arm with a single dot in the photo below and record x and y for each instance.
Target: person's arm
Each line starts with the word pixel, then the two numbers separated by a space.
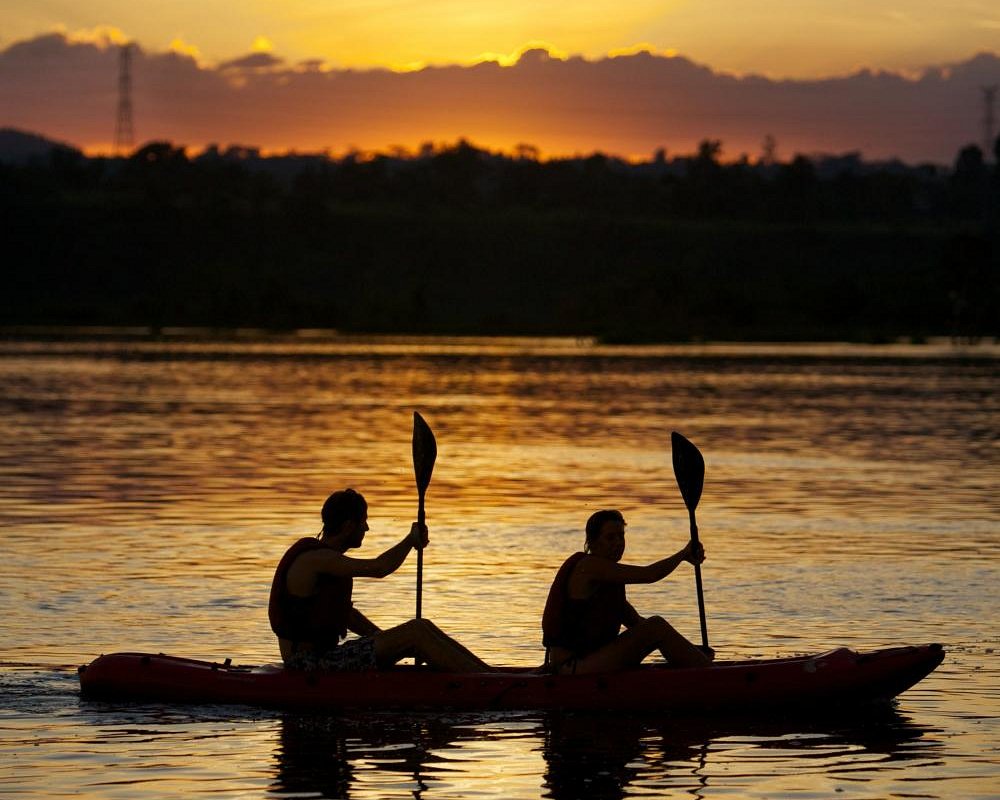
pixel 602 570
pixel 329 562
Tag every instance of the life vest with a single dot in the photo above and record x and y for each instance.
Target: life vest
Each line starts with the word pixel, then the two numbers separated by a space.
pixel 582 626
pixel 322 617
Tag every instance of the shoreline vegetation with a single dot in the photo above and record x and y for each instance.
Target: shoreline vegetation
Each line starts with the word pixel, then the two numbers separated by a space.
pixel 460 242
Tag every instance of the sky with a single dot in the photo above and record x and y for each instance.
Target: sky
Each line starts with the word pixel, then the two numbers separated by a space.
pixel 776 38
pixel 370 74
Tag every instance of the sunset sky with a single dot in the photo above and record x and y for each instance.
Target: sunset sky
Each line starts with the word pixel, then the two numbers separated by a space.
pixel 790 43
pixel 777 38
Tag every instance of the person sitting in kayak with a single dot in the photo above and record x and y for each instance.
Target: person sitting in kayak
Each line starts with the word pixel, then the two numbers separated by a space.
pixel 587 607
pixel 311 611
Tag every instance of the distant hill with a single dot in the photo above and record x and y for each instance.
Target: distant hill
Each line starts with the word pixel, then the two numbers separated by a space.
pixel 21 147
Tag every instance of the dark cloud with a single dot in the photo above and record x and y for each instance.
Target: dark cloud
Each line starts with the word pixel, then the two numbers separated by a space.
pixel 630 104
pixel 253 61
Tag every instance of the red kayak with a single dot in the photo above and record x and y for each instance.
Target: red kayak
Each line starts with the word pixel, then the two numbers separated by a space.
pixel 833 679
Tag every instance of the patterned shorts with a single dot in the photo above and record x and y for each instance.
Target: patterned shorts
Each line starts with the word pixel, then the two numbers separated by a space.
pixel 354 655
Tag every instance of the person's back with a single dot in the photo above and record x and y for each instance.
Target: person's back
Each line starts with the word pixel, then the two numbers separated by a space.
pixel 322 617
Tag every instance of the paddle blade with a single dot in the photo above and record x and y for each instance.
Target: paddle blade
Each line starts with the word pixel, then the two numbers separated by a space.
pixel 424 452
pixel 689 469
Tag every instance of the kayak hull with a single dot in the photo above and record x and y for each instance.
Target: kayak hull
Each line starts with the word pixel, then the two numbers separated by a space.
pixel 833 679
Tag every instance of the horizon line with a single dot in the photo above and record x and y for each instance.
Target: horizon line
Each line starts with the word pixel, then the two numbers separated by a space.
pixel 403 153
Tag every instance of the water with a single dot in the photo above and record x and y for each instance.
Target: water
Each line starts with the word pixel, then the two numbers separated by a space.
pixel 147 489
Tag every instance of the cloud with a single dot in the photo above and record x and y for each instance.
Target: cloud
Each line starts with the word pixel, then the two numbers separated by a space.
pixel 629 104
pixel 311 65
pixel 102 36
pixel 183 48
pixel 258 60
pixel 261 44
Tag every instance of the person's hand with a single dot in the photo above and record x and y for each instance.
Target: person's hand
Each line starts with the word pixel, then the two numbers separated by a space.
pixel 418 536
pixel 694 552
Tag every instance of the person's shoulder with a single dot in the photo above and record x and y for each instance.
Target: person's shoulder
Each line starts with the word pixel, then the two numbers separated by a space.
pixel 305 544
pixel 571 561
pixel 592 566
pixel 308 541
pixel 315 557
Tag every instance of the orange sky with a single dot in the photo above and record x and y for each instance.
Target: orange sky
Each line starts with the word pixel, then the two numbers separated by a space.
pixel 777 38
pixel 311 75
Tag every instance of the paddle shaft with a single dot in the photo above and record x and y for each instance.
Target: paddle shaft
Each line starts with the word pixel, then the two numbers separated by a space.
pixel 421 518
pixel 697 582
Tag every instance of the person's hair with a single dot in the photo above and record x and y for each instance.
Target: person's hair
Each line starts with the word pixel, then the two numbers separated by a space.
pixel 340 507
pixel 596 522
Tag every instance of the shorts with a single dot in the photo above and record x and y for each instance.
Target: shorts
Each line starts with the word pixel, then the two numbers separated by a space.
pixel 565 667
pixel 354 655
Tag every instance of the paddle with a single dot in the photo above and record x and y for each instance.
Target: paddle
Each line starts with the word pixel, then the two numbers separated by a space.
pixel 689 469
pixel 424 454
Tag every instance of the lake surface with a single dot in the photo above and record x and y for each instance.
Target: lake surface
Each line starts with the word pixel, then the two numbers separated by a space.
pixel 147 490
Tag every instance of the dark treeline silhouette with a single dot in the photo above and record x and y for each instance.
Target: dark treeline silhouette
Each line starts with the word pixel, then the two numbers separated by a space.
pixel 459 240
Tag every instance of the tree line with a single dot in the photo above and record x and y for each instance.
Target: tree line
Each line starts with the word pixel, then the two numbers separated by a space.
pixel 458 239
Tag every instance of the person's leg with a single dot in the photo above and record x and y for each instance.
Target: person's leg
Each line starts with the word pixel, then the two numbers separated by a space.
pixel 454 645
pixel 677 650
pixel 629 649
pixel 422 639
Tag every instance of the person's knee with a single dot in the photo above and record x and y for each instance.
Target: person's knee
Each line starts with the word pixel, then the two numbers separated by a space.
pixel 419 628
pixel 656 629
pixel 658 623
pixel 407 631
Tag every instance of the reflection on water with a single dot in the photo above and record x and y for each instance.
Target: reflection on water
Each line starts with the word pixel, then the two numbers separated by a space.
pixel 592 756
pixel 182 437
pixel 117 750
pixel 147 490
pixel 313 758
pixel 587 755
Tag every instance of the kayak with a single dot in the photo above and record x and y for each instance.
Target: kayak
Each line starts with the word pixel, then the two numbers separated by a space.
pixel 833 679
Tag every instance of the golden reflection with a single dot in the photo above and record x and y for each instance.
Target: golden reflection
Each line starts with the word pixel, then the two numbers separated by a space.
pixel 184 469
pixel 149 489
pixel 569 756
pixel 401 755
